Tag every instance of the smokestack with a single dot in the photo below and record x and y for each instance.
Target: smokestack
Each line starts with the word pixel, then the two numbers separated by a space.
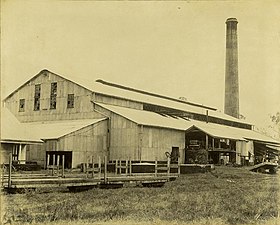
pixel 231 76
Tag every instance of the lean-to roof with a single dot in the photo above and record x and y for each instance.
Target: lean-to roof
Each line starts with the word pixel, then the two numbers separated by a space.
pixel 57 129
pixel 12 131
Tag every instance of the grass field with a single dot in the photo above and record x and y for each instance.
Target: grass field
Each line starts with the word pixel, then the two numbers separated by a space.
pixel 224 196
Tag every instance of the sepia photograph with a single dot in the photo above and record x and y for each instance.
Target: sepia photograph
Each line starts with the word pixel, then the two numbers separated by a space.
pixel 140 112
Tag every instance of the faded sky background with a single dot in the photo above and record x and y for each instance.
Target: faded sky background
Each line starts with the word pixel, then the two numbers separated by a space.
pixel 172 48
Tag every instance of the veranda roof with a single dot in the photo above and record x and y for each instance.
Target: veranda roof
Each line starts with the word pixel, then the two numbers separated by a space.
pixel 12 131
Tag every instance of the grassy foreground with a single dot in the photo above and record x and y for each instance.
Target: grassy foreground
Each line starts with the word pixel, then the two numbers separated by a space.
pixel 224 196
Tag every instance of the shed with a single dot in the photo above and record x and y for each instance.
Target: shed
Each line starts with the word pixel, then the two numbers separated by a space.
pixel 76 140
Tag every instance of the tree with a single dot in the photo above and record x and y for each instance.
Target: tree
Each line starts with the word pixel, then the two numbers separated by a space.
pixel 275 119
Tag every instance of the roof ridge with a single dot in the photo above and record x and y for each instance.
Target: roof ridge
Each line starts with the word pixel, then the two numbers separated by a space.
pixel 152 94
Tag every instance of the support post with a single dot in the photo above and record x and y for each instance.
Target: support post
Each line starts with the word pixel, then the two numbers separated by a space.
pixel 206 141
pixel 63 162
pixel 48 162
pixel 10 171
pixel 57 163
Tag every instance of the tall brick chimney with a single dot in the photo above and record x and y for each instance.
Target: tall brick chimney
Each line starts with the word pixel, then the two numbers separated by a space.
pixel 231 76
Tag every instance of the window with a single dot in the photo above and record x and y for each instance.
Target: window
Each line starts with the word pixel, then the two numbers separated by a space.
pixel 53 96
pixel 21 105
pixel 37 97
pixel 70 101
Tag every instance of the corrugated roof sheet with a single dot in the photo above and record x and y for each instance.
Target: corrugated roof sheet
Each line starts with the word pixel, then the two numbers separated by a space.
pixel 108 90
pixel 148 118
pixel 140 97
pixel 57 129
pixel 216 130
pixel 12 131
pixel 135 96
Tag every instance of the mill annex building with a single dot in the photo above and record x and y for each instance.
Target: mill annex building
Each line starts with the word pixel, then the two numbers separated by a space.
pixel 50 114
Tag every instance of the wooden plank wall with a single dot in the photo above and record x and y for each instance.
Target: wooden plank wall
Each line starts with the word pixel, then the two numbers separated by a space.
pixel 124 135
pixel 5 150
pixel 130 140
pixel 82 103
pixel 157 141
pixel 118 101
pixel 84 143
pixel 37 153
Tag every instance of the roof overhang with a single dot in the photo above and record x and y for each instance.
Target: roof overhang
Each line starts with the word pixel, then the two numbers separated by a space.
pixel 7 141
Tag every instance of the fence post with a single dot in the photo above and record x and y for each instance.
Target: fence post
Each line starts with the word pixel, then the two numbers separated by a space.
pixel 10 171
pixel 63 162
pixel 116 167
pixel 130 167
pixel 105 169
pixel 179 168
pixel 156 167
pixel 92 166
pixel 168 166
pixel 120 166
pixel 126 167
pixel 99 167
pixel 87 165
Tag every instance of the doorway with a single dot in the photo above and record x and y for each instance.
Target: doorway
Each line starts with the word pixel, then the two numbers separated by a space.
pixel 54 157
pixel 175 155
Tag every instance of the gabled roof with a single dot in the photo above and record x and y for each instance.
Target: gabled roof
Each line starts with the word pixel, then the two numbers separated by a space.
pixel 109 89
pixel 148 118
pixel 57 129
pixel 12 131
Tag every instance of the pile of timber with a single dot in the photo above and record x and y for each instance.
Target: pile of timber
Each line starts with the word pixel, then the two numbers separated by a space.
pixel 265 167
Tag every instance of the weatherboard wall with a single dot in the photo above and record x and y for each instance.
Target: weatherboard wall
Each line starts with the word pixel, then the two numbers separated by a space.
pixel 157 141
pixel 137 142
pixel 82 100
pixel 84 143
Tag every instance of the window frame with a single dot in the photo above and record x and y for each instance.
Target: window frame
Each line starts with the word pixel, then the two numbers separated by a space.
pixel 70 101
pixel 53 95
pixel 37 96
pixel 21 105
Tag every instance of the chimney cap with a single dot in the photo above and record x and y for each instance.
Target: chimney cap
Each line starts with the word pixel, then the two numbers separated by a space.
pixel 231 20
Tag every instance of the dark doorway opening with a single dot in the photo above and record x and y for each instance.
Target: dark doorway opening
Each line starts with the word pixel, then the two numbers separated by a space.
pixel 175 155
pixel 53 158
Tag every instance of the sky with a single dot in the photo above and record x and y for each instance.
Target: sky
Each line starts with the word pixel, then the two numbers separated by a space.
pixel 175 48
